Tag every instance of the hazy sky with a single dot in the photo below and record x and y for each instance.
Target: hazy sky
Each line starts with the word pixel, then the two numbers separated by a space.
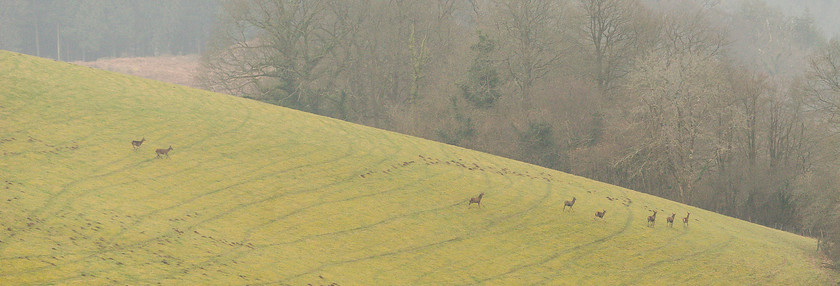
pixel 826 13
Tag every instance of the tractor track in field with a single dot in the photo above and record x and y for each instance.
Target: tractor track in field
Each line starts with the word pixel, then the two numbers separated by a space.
pixel 486 175
pixel 216 260
pixel 549 186
pixel 170 234
pixel 65 189
pixel 707 251
pixel 167 234
pixel 556 254
pixel 359 228
pixel 232 254
pixel 251 247
pixel 378 255
pixel 535 205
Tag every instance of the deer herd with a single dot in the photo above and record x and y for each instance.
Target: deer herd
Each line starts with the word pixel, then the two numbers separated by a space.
pixel 160 151
pixel 651 220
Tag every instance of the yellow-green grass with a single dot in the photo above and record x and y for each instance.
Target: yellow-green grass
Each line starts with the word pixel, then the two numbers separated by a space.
pixel 258 194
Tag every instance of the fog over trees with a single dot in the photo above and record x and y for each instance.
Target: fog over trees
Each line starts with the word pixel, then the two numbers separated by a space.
pixel 731 106
pixel 91 29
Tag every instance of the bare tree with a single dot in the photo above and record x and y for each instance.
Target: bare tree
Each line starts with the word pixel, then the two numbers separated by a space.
pixel 679 92
pixel 275 50
pixel 530 33
pixel 611 29
pixel 688 30
pixel 398 55
pixel 824 80
pixel 680 97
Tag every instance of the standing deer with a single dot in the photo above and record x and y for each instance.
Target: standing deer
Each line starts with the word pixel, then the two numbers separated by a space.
pixel 652 219
pixel 476 200
pixel 600 214
pixel 136 144
pixel 569 204
pixel 685 220
pixel 163 152
pixel 670 219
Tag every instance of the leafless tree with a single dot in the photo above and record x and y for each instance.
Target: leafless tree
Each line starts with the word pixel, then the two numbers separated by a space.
pixel 613 29
pixel 530 32
pixel 276 50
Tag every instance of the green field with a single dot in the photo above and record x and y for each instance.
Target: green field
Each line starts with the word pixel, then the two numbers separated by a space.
pixel 259 194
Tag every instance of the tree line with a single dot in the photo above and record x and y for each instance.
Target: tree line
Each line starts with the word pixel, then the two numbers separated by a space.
pixel 91 29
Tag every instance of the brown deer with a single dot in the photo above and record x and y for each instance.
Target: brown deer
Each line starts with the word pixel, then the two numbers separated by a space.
pixel 476 200
pixel 652 219
pixel 136 144
pixel 569 204
pixel 163 152
pixel 600 214
pixel 685 219
pixel 670 219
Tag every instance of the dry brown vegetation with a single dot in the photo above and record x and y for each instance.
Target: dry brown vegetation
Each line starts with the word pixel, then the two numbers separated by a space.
pixel 173 69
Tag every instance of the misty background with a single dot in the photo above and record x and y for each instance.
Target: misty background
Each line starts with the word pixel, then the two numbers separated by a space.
pixel 731 106
pixel 93 29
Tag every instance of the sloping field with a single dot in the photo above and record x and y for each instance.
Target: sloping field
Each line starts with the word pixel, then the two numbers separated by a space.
pixel 258 194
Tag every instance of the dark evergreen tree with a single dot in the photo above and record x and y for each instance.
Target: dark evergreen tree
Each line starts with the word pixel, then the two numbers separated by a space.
pixel 482 85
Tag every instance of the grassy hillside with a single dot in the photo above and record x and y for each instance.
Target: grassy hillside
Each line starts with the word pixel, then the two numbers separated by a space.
pixel 258 194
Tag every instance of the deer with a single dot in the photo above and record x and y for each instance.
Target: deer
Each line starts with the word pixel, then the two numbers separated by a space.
pixel 652 219
pixel 163 152
pixel 476 200
pixel 136 144
pixel 670 219
pixel 685 220
pixel 600 214
pixel 569 204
